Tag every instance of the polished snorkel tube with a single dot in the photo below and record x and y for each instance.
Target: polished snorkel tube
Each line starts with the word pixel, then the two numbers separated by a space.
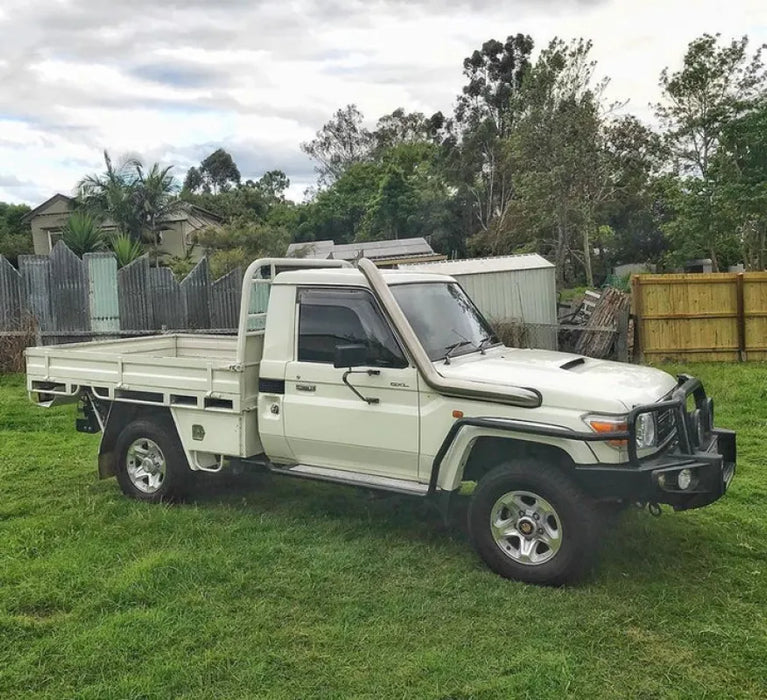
pixel 516 396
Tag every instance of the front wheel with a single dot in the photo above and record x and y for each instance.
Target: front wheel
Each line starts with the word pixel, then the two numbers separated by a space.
pixel 151 463
pixel 533 524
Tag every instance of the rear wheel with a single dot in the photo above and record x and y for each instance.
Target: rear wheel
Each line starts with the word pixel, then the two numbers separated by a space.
pixel 151 465
pixel 533 524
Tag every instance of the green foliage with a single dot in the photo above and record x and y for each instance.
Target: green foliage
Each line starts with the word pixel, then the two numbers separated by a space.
pixel 340 143
pixel 226 595
pixel 217 173
pixel 716 86
pixel 531 159
pixel 82 233
pixel 741 168
pixel 126 249
pixel 241 241
pixel 15 235
pixel 224 261
pixel 130 197
pixel 180 267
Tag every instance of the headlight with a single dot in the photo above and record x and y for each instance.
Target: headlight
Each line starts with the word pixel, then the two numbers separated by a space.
pixel 646 434
pixel 645 429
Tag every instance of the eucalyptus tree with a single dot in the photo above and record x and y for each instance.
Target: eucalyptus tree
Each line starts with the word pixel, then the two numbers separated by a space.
pixel 718 84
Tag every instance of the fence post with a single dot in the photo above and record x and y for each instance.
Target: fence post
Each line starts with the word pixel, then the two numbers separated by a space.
pixel 636 306
pixel 622 341
pixel 741 318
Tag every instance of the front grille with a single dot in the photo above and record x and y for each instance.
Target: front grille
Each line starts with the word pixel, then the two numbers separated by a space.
pixel 666 425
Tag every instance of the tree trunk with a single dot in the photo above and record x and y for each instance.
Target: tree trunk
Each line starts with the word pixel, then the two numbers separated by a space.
pixel 560 253
pixel 587 257
pixel 714 260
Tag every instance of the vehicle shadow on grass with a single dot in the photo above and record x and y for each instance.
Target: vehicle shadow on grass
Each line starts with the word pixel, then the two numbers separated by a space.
pixel 636 546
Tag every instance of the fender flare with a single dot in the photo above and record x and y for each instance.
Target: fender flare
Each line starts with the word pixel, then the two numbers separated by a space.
pixel 512 428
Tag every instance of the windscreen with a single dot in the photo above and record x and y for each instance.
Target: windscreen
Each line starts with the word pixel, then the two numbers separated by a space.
pixel 444 318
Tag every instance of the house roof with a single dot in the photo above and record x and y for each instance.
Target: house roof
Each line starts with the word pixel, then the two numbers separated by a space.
pixel 40 207
pixel 186 211
pixel 505 263
pixel 375 250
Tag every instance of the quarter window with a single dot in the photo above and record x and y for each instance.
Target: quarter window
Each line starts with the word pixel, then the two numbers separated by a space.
pixel 330 317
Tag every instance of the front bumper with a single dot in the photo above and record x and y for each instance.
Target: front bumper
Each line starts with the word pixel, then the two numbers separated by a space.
pixel 655 479
pixel 708 453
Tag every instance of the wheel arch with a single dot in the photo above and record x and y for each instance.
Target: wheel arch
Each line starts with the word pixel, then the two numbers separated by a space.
pixel 122 414
pixel 487 452
pixel 474 451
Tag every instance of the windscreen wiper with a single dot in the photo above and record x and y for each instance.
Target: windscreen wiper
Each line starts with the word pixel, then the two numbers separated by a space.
pixel 451 348
pixel 484 341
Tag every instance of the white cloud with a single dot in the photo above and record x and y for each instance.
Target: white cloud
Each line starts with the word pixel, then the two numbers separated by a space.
pixel 176 80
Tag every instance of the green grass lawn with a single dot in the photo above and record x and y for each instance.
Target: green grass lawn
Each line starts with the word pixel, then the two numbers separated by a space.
pixel 262 587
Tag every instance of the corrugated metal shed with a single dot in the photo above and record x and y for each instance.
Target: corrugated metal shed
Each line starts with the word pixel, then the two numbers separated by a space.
pixel 519 288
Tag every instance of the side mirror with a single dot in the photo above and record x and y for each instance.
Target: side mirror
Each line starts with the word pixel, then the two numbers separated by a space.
pixel 348 356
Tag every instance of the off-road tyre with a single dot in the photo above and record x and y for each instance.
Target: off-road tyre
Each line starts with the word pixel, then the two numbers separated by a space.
pixel 150 436
pixel 578 522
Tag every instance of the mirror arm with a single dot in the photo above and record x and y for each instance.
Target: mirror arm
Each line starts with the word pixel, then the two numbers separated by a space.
pixel 370 373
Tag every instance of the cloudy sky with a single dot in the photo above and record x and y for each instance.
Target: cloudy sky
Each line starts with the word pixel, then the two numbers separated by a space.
pixel 174 80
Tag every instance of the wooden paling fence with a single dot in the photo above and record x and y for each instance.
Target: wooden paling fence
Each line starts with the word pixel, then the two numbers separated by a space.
pixel 702 317
pixel 67 299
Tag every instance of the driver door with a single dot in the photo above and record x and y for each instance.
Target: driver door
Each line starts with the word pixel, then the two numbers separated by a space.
pixel 326 423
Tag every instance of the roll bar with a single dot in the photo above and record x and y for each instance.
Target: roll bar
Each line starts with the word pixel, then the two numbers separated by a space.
pixel 249 281
pixel 516 396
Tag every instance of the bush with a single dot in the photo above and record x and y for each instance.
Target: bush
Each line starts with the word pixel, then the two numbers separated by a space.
pixel 12 347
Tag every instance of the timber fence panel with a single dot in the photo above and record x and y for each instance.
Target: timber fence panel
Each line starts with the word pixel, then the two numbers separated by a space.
pixel 168 303
pixel 701 317
pixel 135 305
pixel 36 285
pixel 196 291
pixel 102 291
pixel 754 291
pixel 10 296
pixel 225 300
pixel 69 293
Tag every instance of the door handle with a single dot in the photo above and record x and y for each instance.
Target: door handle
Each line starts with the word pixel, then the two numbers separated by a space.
pixel 306 387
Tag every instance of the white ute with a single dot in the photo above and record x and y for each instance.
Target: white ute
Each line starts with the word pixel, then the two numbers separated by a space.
pixel 395 381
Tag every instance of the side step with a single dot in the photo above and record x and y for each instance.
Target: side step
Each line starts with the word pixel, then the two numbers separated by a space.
pixel 340 476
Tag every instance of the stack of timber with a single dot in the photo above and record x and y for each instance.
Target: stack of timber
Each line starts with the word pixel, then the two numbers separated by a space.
pixel 607 326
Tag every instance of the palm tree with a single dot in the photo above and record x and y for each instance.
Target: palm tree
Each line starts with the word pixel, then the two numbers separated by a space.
pixel 156 199
pixel 110 195
pixel 134 199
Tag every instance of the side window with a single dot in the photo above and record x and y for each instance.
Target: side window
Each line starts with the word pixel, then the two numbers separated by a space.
pixel 330 317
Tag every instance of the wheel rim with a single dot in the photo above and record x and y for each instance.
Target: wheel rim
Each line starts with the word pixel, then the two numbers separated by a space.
pixel 145 465
pixel 526 528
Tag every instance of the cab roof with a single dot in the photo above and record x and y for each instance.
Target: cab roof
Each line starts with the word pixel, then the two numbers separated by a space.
pixel 351 276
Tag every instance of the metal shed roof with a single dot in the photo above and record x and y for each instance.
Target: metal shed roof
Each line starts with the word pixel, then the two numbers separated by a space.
pixel 375 250
pixel 505 263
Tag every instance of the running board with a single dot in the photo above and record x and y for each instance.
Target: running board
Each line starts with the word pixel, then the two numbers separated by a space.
pixel 340 476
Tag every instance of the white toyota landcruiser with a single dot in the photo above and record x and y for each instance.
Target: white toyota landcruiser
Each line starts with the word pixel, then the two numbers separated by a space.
pixel 395 381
